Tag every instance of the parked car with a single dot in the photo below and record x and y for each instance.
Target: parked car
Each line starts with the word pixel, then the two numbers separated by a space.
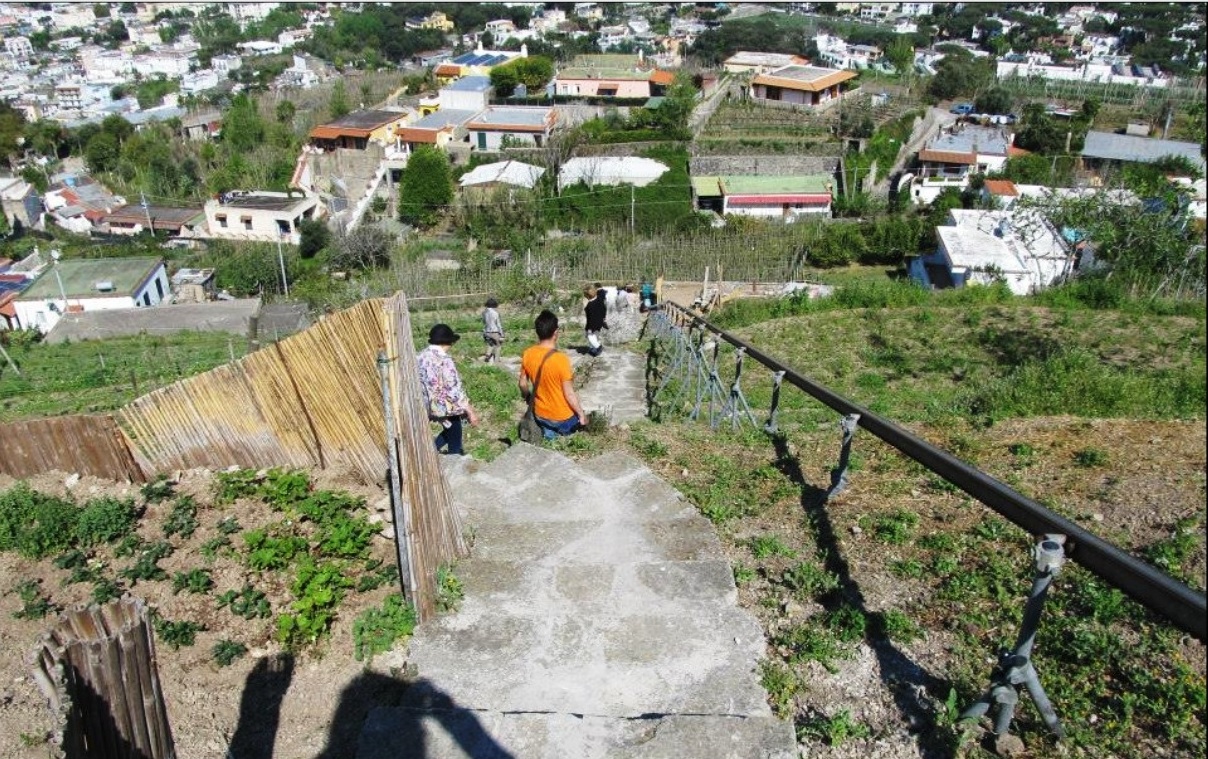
pixel 961 109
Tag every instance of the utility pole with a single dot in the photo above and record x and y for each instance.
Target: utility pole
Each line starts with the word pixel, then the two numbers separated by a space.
pixel 281 261
pixel 147 210
pixel 632 210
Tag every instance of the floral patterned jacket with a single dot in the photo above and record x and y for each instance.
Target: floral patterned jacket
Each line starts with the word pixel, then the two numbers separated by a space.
pixel 441 383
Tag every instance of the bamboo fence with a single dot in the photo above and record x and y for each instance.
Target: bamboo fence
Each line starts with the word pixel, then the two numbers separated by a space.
pixel 97 669
pixel 85 444
pixel 436 534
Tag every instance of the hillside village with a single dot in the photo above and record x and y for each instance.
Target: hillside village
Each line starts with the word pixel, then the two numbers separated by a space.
pixel 981 123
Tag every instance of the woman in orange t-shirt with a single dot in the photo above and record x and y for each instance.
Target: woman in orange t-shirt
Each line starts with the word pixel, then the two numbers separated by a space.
pixel 556 405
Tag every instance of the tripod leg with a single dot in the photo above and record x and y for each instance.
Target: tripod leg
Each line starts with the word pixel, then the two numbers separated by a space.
pixel 978 708
pixel 1043 705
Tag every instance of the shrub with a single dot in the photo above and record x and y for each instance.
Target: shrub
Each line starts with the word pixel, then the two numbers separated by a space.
pixel 104 520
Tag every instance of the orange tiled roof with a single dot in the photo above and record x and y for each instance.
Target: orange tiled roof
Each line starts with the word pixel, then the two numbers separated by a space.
pixel 1001 187
pixel 417 135
pixel 447 69
pixel 1014 152
pixel 662 77
pixel 948 156
pixel 813 85
pixel 326 132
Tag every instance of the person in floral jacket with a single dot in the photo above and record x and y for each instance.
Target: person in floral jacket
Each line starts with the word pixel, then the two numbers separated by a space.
pixel 445 398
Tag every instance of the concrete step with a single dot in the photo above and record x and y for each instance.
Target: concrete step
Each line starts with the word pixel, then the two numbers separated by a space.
pixel 600 619
pixel 458 733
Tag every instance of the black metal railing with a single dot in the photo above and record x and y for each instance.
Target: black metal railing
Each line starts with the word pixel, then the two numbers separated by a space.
pixel 1183 606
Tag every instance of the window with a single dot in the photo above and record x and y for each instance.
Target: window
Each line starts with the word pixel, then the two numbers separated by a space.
pixel 222 220
pixel 159 288
pixel 282 227
pixel 246 221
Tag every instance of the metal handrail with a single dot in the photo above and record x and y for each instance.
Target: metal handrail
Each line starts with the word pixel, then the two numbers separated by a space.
pixel 1183 606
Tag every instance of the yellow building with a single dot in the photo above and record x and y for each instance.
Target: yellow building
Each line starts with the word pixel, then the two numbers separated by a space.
pixel 436 20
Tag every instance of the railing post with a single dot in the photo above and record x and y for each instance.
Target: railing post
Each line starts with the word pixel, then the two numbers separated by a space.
pixel 770 426
pixel 839 474
pixel 1014 667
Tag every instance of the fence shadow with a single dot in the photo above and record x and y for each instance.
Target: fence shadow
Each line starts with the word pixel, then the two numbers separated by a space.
pixel 418 718
pixel 905 678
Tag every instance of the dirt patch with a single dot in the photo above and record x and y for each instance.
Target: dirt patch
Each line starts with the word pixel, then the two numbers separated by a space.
pixel 267 703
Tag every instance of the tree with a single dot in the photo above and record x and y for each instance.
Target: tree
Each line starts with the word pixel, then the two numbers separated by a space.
pixel 314 236
pixel 101 10
pixel 900 55
pixel 102 152
pixel 1040 132
pixel 958 74
pixel 338 106
pixel 533 72
pixel 994 100
pixel 286 110
pixel 366 247
pixel 242 126
pixel 426 187
pixel 12 130
pixel 1152 252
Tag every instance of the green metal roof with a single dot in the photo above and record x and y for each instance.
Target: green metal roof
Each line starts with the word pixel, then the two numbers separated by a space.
pixel 80 276
pixel 765 185
pixel 706 187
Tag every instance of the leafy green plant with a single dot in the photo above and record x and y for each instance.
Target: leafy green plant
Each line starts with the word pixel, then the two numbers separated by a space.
pixel 781 685
pixel 376 629
pixel 846 622
pixel 182 519
pixel 345 537
pixel 214 546
pixel 448 589
pixel 266 552
pixel 177 634
pixel 1091 457
pixel 765 546
pixel 894 528
pixel 226 652
pixel 104 520
pixel 228 526
pixel 146 566
pixel 648 447
pixel 128 546
pixel 34 524
pixel 195 581
pixel 248 603
pixel 1023 452
pixel 233 485
pixel 898 627
pixel 34 605
pixel 907 568
pixel 743 574
pixel 835 731
pixel 808 581
pixel 376 574
pixel 1172 554
pixel 160 489
pixel 318 590
pixel 807 642
pixel 105 589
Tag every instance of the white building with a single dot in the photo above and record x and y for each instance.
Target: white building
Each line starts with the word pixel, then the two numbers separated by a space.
pixel 916 9
pixel 247 13
pixel 470 93
pixel 95 284
pixel 20 48
pixel 1017 247
pixel 225 64
pixel 198 82
pixel 263 216
pixel 603 170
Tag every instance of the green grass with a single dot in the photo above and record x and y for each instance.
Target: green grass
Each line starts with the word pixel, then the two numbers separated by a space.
pixel 102 375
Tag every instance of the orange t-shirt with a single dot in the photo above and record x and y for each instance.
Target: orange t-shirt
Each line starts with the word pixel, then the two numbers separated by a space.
pixel 551 401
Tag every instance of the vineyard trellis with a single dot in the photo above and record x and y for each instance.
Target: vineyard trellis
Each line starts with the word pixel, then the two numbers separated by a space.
pixel 1180 91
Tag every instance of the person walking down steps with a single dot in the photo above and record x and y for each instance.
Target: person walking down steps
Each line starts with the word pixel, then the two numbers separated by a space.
pixel 444 396
pixel 596 311
pixel 556 404
pixel 492 331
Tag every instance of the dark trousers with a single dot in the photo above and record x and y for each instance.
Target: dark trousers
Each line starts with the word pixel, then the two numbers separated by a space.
pixel 450 436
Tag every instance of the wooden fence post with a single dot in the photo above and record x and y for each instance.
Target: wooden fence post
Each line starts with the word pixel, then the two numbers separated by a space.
pixel 97 669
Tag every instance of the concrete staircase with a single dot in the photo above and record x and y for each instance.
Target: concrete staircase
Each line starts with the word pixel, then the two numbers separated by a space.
pixel 600 619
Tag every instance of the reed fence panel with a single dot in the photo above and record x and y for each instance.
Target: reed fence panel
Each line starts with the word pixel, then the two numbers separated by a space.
pixel 82 443
pixel 436 529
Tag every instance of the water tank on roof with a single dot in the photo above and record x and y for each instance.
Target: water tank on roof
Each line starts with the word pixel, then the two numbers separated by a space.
pixel 104 286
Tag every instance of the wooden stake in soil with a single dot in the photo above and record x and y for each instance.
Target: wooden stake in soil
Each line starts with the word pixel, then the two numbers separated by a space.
pixel 97 669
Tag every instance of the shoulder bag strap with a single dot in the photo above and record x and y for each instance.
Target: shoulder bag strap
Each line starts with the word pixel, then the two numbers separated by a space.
pixel 537 382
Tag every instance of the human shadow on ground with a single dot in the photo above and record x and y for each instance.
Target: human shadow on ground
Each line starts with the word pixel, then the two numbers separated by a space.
pixel 260 708
pixel 380 717
pixel 906 679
